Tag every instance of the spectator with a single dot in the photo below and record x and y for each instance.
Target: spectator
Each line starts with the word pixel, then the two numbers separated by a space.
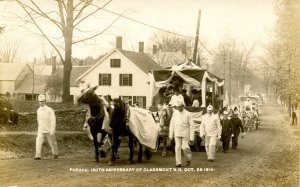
pixel 294 117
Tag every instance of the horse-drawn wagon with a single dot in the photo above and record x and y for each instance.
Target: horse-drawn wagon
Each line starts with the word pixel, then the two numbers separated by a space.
pixel 199 85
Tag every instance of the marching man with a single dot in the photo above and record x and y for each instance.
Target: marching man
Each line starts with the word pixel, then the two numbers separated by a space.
pixel 182 128
pixel 211 130
pixel 237 128
pixel 46 128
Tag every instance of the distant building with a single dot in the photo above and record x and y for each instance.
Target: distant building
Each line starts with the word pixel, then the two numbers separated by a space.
pixel 122 73
pixel 11 75
pixel 31 86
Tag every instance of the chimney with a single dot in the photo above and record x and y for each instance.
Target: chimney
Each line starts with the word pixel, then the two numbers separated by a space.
pixel 154 49
pixel 141 47
pixel 119 42
pixel 53 62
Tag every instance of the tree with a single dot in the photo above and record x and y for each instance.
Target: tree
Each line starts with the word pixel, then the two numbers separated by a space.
pixel 284 51
pixel 67 18
pixel 232 61
pixel 171 49
pixel 8 50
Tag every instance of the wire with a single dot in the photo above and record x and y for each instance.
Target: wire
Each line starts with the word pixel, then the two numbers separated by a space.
pixel 164 30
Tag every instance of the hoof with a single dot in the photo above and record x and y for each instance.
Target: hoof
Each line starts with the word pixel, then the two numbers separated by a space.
pixel 140 160
pixel 164 153
pixel 102 154
pixel 130 162
pixel 96 159
pixel 117 157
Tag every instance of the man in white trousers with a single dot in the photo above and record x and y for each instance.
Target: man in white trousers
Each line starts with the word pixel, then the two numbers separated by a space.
pixel 211 130
pixel 46 128
pixel 182 128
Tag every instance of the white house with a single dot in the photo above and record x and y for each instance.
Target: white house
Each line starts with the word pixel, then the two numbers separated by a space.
pixel 122 73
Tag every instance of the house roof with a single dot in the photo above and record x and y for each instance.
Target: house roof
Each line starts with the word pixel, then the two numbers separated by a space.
pixel 76 72
pixel 141 60
pixel 10 71
pixel 26 86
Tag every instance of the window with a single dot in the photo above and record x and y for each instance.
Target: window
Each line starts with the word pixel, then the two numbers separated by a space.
pixel 127 99
pixel 30 97
pixel 104 79
pixel 141 100
pixel 125 79
pixel 115 63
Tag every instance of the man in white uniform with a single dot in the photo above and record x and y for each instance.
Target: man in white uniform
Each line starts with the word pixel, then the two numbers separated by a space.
pixel 177 97
pixel 182 128
pixel 211 130
pixel 46 128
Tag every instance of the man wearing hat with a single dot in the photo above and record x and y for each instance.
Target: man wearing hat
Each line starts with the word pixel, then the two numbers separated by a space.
pixel 182 128
pixel 46 127
pixel 227 131
pixel 237 128
pixel 211 130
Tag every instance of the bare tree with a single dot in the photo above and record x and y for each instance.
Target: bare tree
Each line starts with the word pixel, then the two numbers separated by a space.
pixel 8 50
pixel 283 53
pixel 172 49
pixel 67 18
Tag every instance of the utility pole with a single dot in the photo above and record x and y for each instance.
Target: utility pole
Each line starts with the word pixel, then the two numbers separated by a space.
pixel 229 85
pixel 32 96
pixel 197 38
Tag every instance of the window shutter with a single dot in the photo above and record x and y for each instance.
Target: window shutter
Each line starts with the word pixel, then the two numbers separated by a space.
pixel 134 99
pixel 111 63
pixel 120 80
pixel 109 79
pixel 144 101
pixel 100 79
pixel 130 79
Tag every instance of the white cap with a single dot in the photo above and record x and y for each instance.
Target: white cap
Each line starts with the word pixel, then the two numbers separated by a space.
pixel 41 98
pixel 179 103
pixel 210 107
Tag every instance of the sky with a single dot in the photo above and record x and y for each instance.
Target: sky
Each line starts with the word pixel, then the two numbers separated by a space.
pixel 247 21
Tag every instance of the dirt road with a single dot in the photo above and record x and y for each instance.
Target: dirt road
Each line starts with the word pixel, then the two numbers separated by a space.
pixel 268 156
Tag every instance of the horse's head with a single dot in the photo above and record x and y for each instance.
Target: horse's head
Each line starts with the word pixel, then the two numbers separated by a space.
pixel 89 97
pixel 119 111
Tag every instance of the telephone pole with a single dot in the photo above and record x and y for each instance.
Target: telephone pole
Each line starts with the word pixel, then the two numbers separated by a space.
pixel 229 85
pixel 197 38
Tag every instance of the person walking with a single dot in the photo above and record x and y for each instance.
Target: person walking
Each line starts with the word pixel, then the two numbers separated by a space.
pixel 237 128
pixel 182 128
pixel 294 117
pixel 227 131
pixel 46 128
pixel 211 130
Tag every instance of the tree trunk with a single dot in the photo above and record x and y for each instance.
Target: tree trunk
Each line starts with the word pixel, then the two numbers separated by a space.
pixel 68 35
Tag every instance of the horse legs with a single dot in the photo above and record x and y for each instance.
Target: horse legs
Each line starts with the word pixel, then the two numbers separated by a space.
pixel 113 149
pixel 94 134
pixel 130 145
pixel 164 152
pixel 102 152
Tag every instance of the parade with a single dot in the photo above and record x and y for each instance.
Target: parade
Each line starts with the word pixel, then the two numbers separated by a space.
pixel 149 93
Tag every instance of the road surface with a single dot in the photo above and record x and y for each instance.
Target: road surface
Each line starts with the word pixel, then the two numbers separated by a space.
pixel 268 156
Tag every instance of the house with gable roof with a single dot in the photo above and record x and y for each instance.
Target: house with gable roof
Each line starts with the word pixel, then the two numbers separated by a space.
pixel 122 73
pixel 11 75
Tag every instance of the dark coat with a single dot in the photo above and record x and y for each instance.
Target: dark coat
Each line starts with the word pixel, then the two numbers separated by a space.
pixel 227 129
pixel 237 125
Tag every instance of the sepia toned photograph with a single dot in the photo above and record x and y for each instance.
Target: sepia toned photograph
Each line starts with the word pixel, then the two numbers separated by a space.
pixel 149 93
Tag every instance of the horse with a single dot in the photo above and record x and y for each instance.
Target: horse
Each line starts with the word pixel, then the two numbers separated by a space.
pixel 96 119
pixel 118 123
pixel 164 115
